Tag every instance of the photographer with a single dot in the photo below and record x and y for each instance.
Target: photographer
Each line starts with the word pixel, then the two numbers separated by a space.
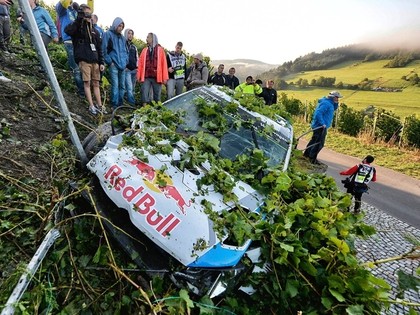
pixel 249 87
pixel 88 54
pixel 357 183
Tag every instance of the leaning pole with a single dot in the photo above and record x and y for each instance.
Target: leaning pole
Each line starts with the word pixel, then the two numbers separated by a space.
pixel 54 233
pixel 46 63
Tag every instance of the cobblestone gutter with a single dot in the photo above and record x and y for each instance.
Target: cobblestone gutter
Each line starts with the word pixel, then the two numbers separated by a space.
pixel 392 239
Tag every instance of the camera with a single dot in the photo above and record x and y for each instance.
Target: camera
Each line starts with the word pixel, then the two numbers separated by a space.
pixel 81 14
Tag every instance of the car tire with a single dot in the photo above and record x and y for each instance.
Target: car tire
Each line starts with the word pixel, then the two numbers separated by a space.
pixel 96 139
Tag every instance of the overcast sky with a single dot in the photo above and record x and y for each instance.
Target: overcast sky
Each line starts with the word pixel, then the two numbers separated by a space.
pixel 272 31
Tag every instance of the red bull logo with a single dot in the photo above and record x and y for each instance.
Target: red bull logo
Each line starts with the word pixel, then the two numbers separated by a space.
pixel 150 175
pixel 142 202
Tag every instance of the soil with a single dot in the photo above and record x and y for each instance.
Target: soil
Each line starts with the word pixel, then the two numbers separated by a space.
pixel 29 110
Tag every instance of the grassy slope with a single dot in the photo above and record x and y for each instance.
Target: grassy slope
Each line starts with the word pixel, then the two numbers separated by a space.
pixel 401 103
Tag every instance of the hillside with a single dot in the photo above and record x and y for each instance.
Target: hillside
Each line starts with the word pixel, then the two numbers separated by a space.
pixel 363 84
pixel 244 67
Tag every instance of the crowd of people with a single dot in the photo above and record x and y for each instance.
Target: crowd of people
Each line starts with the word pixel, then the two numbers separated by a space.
pixel 91 50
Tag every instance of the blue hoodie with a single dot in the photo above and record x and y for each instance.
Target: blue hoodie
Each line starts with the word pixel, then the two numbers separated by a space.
pixel 65 17
pixel 324 113
pixel 44 22
pixel 114 46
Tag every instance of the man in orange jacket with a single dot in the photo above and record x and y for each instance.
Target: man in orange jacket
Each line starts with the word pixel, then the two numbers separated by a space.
pixel 152 69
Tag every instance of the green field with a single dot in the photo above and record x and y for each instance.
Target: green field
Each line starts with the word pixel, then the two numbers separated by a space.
pixel 403 103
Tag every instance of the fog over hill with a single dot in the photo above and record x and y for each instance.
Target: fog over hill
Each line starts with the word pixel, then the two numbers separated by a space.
pixel 244 67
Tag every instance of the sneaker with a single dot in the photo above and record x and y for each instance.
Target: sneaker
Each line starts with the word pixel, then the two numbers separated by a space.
pixel 93 110
pixel 101 109
pixel 4 79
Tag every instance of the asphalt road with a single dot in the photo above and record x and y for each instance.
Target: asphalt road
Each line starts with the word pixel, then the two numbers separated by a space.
pixel 394 193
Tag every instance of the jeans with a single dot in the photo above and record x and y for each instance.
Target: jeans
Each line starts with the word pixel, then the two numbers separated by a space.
pixel 134 78
pixel 174 87
pixel 117 86
pixel 129 86
pixel 4 32
pixel 75 68
pixel 145 90
pixel 316 143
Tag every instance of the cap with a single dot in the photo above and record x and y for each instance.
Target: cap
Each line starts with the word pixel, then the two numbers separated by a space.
pixel 198 56
pixel 335 94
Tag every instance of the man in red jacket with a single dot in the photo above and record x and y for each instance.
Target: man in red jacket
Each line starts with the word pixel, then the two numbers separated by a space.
pixel 360 176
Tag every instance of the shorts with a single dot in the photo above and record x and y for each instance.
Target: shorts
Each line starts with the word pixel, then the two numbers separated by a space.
pixel 90 71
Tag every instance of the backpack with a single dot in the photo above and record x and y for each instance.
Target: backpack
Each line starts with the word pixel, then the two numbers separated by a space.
pixel 357 182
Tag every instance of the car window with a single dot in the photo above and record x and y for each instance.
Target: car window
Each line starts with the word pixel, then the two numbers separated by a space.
pixel 235 141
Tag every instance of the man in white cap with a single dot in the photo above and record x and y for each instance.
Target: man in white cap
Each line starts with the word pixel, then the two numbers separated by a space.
pixel 321 121
pixel 199 73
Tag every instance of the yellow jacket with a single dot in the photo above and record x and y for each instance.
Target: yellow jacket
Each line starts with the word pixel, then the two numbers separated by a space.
pixel 249 88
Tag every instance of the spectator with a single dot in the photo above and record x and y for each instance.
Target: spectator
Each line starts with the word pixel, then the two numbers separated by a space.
pixel 249 87
pixel 44 22
pixel 88 54
pixel 114 48
pixel 152 69
pixel 199 73
pixel 131 70
pixel 23 28
pixel 321 121
pixel 67 13
pixel 95 25
pixel 177 68
pixel 5 25
pixel 269 94
pixel 231 80
pixel 260 83
pixel 218 78
pixel 360 176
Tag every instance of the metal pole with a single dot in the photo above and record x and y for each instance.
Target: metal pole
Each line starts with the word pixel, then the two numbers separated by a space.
pixel 32 267
pixel 46 63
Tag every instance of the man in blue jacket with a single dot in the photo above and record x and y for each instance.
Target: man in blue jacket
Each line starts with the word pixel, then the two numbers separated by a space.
pixel 321 121
pixel 115 52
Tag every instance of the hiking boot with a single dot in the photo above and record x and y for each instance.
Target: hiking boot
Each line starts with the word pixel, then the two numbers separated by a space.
pixel 93 110
pixel 315 161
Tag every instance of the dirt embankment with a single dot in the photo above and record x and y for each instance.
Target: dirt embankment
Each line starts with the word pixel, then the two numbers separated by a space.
pixel 29 116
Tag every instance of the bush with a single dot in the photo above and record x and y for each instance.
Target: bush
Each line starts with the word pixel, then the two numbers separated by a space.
pixel 350 121
pixel 388 126
pixel 292 106
pixel 412 131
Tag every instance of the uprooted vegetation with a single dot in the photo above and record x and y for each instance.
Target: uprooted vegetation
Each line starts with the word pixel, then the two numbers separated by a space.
pixel 307 237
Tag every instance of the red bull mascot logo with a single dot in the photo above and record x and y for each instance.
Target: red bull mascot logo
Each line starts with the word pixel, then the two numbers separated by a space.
pixel 151 177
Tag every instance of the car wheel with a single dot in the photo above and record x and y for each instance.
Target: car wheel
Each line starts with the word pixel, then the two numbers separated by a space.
pixel 96 139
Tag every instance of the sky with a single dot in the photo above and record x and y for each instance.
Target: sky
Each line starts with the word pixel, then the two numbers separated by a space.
pixel 271 31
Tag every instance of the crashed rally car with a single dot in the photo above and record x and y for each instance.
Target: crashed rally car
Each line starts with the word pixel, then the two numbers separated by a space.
pixel 156 177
